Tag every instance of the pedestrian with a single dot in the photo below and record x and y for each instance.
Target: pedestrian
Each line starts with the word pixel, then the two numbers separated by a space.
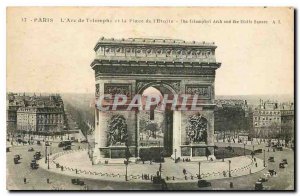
pixel 184 171
pixel 48 181
pixel 173 178
pixel 231 184
pixel 255 164
pixel 142 176
pixel 25 180
pixel 157 173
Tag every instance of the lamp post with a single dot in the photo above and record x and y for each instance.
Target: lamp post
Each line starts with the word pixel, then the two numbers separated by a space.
pixel 199 176
pixel 160 169
pixel 175 154
pixel 264 158
pixel 126 162
pixel 46 154
pixel 244 149
pixel 229 168
pixel 48 162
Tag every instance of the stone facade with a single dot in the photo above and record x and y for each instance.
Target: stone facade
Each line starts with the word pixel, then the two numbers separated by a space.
pixel 129 66
pixel 273 119
pixel 35 113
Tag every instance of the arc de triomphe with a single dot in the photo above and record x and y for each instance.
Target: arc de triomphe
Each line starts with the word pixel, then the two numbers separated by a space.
pixel 129 66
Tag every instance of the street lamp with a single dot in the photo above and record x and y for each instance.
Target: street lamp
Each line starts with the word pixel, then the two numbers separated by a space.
pixel 48 161
pixel 175 154
pixel 46 154
pixel 244 149
pixel 126 162
pixel 229 168
pixel 160 169
pixel 264 158
pixel 199 176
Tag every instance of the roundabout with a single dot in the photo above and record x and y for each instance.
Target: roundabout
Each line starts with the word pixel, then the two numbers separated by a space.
pixel 76 163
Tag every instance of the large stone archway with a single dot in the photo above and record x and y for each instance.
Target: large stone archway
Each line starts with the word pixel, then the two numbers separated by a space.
pixel 172 66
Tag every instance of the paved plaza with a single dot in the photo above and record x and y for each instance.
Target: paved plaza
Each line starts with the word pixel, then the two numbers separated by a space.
pixel 239 166
pixel 108 179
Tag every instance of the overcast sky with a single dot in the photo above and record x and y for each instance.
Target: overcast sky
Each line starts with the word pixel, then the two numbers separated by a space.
pixel 56 57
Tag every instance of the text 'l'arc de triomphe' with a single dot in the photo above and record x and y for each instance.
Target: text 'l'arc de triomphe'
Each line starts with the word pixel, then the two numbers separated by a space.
pixel 130 66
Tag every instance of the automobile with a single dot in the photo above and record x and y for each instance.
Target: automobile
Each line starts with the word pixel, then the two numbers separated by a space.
pixel 77 182
pixel 16 160
pixel 30 149
pixel 281 165
pixel 259 186
pixel 38 142
pixel 262 180
pixel 64 143
pixel 272 172
pixel 67 147
pixel 271 159
pixel 47 143
pixel 17 156
pixel 284 161
pixel 203 183
pixel 37 155
pixel 83 141
pixel 34 165
pixel 258 151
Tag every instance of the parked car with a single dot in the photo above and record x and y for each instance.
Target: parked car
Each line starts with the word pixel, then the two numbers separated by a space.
pixel 37 155
pixel 258 151
pixel 284 161
pixel 203 183
pixel 17 156
pixel 65 143
pixel 262 180
pixel 34 165
pixel 281 165
pixel 259 186
pixel 47 143
pixel 272 172
pixel 67 147
pixel 30 149
pixel 83 141
pixel 16 160
pixel 271 159
pixel 77 182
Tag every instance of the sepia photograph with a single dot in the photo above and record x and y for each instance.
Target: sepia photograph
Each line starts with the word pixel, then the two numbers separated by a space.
pixel 150 98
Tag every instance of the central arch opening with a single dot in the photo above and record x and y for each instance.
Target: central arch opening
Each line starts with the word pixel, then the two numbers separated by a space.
pixel 155 127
